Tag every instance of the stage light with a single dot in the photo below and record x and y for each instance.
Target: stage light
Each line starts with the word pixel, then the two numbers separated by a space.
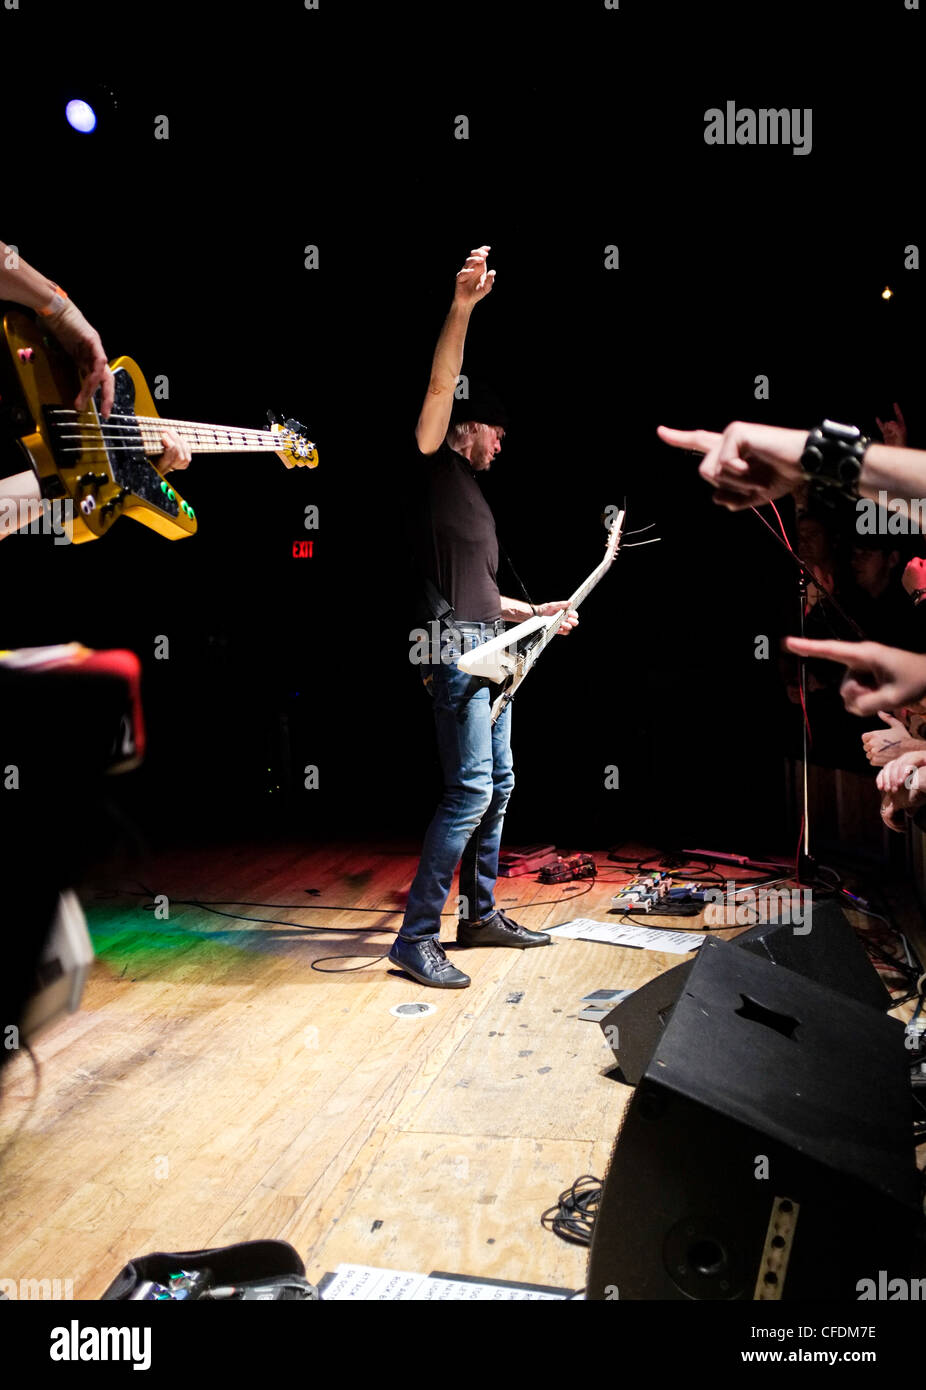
pixel 80 116
pixel 887 292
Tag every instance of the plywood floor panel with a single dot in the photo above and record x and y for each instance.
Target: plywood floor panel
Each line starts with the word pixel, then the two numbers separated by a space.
pixel 215 1087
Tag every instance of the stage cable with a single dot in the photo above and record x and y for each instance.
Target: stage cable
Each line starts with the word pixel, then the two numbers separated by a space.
pixel 210 905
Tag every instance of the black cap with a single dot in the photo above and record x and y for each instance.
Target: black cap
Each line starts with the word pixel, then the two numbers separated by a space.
pixel 481 405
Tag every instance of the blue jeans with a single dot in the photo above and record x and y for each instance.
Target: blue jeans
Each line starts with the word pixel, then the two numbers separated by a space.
pixel 466 828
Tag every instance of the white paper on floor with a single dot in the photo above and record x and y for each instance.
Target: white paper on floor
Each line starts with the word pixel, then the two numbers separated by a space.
pixel 365 1282
pixel 676 943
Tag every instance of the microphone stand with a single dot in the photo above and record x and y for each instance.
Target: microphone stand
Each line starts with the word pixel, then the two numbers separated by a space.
pixel 806 864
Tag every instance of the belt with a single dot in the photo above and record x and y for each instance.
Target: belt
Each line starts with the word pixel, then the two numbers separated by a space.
pixel 493 629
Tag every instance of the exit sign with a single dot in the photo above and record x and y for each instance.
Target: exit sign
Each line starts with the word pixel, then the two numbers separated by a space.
pixel 302 550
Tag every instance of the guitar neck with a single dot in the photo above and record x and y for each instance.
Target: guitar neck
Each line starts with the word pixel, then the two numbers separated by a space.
pixel 583 591
pixel 204 439
pixel 513 678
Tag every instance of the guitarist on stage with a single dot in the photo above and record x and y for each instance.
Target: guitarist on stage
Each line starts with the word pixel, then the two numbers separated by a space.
pixel 21 284
pixel 457 554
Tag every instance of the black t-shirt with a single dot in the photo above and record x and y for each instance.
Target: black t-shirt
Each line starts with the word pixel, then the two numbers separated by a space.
pixel 453 535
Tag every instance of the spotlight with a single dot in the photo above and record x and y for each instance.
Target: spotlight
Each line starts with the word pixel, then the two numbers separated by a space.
pixel 887 292
pixel 80 116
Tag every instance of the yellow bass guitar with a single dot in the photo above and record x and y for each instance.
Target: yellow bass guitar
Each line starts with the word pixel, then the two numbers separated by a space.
pixel 106 468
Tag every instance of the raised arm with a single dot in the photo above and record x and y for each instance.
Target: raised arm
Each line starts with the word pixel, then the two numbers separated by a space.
pixel 474 282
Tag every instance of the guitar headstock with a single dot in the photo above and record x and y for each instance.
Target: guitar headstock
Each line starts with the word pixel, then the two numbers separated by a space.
pixel 614 535
pixel 297 449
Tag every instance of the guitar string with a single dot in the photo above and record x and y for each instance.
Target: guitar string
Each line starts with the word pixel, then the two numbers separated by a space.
pixel 124 432
pixel 583 591
pixel 203 448
pixel 207 438
pixel 80 419
pixel 152 422
pixel 575 599
pixel 121 431
pixel 585 587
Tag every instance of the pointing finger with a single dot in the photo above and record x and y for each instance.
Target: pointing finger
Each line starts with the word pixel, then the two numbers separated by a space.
pixel 701 441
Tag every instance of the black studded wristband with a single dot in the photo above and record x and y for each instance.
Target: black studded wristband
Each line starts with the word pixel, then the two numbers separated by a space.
pixel 832 458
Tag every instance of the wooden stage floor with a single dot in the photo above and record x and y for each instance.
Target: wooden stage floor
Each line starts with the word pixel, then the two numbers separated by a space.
pixel 214 1087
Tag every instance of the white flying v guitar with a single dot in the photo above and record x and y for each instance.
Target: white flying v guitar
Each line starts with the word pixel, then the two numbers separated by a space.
pixel 507 659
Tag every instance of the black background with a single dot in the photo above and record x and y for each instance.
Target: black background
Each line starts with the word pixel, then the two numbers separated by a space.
pixel 335 128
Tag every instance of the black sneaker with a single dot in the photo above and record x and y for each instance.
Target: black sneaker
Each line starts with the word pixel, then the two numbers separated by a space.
pixel 427 962
pixel 499 930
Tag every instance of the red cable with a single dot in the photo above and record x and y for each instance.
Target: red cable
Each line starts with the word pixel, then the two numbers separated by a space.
pixel 784 534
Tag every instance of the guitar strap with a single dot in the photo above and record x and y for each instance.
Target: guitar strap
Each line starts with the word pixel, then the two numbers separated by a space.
pixel 438 607
pixel 442 611
pixel 514 573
